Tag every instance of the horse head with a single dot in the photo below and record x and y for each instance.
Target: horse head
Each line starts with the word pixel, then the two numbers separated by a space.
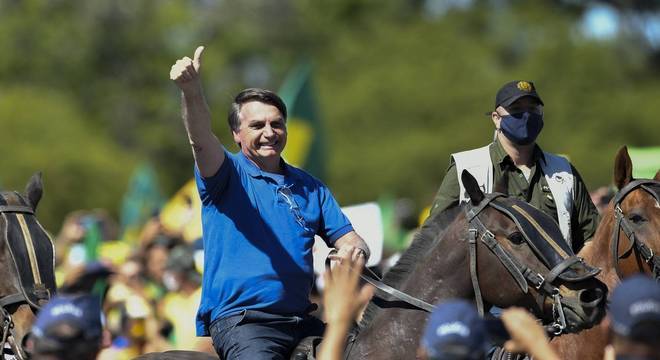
pixel 27 260
pixel 634 215
pixel 523 260
pixel 494 249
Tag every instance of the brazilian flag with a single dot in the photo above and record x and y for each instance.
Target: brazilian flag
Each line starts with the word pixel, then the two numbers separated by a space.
pixel 305 147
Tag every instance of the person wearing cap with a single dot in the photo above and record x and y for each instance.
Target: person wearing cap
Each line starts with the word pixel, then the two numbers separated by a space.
pixel 544 180
pixel 634 319
pixel 454 331
pixel 68 327
pixel 259 219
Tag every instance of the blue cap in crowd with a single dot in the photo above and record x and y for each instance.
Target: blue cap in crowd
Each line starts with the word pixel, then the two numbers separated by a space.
pixel 455 331
pixel 82 312
pixel 636 300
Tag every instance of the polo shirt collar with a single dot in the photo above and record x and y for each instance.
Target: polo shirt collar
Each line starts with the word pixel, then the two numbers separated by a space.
pixel 502 158
pixel 253 170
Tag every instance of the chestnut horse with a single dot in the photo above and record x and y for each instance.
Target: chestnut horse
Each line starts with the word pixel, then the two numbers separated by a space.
pixel 496 250
pixel 625 243
pixel 26 265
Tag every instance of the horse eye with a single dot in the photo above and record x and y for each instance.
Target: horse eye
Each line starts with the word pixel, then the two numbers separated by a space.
pixel 636 218
pixel 516 238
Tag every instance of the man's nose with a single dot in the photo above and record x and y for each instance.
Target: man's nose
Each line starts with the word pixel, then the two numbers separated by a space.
pixel 268 131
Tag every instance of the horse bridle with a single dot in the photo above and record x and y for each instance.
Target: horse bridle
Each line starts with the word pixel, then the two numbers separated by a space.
pixel 621 223
pixel 16 298
pixel 522 274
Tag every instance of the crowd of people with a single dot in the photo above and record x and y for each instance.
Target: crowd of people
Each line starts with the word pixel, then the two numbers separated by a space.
pixel 151 286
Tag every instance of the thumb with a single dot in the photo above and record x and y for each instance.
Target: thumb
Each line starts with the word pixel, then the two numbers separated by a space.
pixel 197 58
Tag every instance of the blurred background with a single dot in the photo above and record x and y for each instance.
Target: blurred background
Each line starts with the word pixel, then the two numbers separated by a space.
pixel 397 86
pixel 380 93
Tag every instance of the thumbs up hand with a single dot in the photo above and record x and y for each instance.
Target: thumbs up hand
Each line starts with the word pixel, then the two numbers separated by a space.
pixel 185 72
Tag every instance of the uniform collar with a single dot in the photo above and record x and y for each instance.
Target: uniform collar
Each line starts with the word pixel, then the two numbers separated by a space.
pixel 502 158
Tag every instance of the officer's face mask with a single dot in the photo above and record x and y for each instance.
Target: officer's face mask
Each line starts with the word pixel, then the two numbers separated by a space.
pixel 522 128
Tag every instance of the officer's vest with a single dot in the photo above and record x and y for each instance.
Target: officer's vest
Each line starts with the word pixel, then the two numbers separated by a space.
pixel 556 169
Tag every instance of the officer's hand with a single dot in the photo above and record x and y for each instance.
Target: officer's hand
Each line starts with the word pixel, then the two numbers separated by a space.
pixel 185 72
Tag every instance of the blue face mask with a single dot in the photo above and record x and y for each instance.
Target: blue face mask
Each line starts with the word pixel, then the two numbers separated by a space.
pixel 522 128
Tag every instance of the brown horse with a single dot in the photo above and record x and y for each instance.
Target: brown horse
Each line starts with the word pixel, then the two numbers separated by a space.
pixel 625 243
pixel 497 250
pixel 27 266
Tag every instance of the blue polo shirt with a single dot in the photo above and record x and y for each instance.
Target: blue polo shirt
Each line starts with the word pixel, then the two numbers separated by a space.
pixel 258 231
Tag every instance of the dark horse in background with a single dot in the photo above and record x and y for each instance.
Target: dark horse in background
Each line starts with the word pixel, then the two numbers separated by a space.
pixel 26 264
pixel 626 242
pixel 495 249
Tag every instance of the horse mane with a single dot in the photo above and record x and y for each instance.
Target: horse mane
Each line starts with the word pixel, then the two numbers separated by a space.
pixel 432 229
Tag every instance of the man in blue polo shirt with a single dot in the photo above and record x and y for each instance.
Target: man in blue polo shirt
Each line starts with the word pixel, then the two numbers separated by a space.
pixel 259 218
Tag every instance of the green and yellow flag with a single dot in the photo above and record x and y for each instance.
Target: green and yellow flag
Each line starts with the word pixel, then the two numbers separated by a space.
pixel 142 199
pixel 305 148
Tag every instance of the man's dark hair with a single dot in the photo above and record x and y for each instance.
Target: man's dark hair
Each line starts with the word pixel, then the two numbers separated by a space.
pixel 66 341
pixel 253 94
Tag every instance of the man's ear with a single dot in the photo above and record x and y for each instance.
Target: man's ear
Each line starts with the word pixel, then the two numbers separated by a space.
pixel 237 138
pixel 496 119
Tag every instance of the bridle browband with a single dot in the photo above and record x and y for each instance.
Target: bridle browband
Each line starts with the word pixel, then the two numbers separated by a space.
pixel 621 223
pixel 522 274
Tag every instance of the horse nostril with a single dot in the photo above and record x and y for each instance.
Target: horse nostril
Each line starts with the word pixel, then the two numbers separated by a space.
pixel 591 297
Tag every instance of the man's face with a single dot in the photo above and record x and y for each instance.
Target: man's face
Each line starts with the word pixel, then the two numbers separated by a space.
pixel 524 104
pixel 262 132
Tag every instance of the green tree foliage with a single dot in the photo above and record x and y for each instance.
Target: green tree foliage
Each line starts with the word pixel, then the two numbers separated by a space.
pixel 45 131
pixel 85 92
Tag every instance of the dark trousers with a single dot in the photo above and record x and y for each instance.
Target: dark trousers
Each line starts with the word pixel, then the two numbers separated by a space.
pixel 254 335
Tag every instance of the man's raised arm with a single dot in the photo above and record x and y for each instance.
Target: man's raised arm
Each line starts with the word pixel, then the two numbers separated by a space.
pixel 207 149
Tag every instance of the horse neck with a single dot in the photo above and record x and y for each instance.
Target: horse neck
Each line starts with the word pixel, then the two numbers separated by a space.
pixel 597 252
pixel 438 275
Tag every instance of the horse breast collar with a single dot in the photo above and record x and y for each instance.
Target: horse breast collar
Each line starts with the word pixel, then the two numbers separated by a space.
pixel 621 223
pixel 32 253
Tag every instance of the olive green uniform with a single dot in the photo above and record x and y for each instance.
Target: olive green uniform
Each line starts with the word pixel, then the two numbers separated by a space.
pixel 536 192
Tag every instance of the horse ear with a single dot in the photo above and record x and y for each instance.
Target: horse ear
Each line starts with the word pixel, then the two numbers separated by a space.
pixel 657 176
pixel 34 190
pixel 472 187
pixel 622 168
